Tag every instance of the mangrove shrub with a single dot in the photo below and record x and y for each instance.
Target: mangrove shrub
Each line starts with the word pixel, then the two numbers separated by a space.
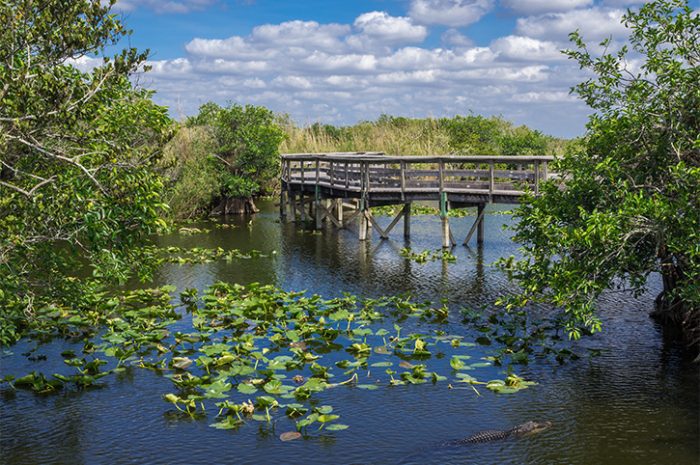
pixel 76 149
pixel 628 202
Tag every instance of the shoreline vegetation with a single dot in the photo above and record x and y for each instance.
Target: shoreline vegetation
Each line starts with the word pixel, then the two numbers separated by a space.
pixel 224 154
pixel 92 168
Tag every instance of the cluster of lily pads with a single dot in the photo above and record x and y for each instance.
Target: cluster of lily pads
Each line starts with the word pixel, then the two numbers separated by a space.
pixel 191 231
pixel 195 255
pixel 428 255
pixel 258 353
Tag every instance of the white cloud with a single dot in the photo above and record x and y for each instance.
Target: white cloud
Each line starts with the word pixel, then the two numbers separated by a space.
pixel 531 7
pixel 301 33
pixel 296 82
pixel 545 96
pixel 594 24
pixel 342 73
pixel 349 63
pixel 379 25
pixel 164 6
pixel 526 49
pixel 452 37
pixel 453 13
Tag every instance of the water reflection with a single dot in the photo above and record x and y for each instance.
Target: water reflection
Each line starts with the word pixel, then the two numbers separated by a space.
pixel 636 403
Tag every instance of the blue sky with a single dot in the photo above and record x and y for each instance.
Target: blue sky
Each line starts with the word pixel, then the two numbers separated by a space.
pixel 344 61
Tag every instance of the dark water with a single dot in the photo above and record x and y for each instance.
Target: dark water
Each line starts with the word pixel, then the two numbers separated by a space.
pixel 637 403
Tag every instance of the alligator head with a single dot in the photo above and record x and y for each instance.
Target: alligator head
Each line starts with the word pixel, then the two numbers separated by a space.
pixel 531 427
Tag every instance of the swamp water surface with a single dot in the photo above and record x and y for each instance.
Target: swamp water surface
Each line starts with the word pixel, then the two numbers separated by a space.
pixel 635 403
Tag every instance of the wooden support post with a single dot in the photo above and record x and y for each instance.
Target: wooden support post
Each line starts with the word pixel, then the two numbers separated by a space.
pixel 302 207
pixel 364 223
pixel 478 225
pixel 319 214
pixel 339 211
pixel 446 240
pixel 480 233
pixel 407 220
pixel 293 205
pixel 283 205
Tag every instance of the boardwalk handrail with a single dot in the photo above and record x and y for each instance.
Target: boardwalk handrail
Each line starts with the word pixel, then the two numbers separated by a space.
pixel 377 158
pixel 366 174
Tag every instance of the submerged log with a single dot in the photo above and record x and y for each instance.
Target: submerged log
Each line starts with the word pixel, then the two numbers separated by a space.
pixel 235 206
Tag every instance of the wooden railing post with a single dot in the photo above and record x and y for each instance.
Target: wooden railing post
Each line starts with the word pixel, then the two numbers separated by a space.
pixel 492 180
pixel 537 177
pixel 347 179
pixel 403 181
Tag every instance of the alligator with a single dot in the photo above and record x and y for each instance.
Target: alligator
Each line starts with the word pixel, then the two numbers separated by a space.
pixel 525 429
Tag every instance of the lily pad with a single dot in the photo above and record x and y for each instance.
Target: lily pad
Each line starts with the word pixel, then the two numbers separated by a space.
pixel 290 436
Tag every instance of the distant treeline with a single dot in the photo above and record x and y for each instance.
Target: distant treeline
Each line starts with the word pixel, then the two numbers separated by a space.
pixel 233 152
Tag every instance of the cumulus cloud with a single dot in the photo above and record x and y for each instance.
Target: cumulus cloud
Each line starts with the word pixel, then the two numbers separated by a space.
pixel 594 24
pixel 454 38
pixel 545 96
pixel 530 7
pixel 453 13
pixel 341 73
pixel 526 48
pixel 381 26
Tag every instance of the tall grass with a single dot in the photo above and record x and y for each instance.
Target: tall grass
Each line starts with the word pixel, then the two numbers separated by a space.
pixel 464 135
pixel 194 179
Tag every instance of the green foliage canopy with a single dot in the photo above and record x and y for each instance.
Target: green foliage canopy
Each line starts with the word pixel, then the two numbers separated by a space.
pixel 248 140
pixel 628 202
pixel 76 149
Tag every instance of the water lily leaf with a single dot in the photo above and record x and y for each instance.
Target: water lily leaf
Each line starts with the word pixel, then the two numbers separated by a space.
pixel 225 360
pixel 325 418
pixel 295 410
pixel 217 389
pixel 290 436
pixel 369 387
pixel 324 409
pixel 227 423
pixel 382 350
pixel 245 388
pixel 480 364
pixel 381 364
pixel 276 387
pixel 259 417
pixel 181 363
pixel 456 363
pixel 405 364
pixel 336 427
pixel 266 401
pixel 362 332
pixel 465 378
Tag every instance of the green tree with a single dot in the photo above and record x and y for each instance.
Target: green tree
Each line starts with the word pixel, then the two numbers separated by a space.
pixel 76 149
pixel 247 145
pixel 630 201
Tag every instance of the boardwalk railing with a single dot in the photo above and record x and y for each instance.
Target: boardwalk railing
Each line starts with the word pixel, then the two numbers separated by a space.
pixel 375 179
pixel 491 176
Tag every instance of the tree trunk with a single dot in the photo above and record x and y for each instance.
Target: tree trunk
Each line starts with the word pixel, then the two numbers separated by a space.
pixel 671 310
pixel 235 206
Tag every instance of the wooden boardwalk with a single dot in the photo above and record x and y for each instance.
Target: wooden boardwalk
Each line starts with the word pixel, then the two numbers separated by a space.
pixel 332 183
